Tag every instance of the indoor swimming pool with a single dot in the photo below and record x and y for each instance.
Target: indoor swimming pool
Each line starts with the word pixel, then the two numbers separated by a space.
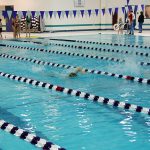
pixel 42 99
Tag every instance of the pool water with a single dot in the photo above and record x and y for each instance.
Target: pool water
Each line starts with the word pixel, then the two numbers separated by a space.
pixel 68 121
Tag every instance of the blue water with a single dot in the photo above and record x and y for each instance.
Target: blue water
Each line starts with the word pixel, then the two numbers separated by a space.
pixel 71 122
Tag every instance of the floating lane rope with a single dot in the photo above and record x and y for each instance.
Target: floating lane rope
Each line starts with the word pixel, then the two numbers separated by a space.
pixel 104 43
pixel 92 48
pixel 103 49
pixel 88 96
pixel 31 138
pixel 77 54
pixel 126 77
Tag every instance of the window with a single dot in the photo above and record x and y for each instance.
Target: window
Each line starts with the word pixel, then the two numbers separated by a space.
pixel 79 3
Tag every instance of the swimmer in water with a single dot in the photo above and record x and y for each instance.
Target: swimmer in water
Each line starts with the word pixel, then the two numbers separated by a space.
pixel 75 73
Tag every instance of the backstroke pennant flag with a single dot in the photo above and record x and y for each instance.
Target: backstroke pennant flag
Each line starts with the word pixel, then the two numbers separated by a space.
pixel 136 8
pixel 110 10
pixel 33 14
pixel 67 13
pixel 82 13
pixel 42 14
pixel 24 13
pixel 14 14
pixel 123 10
pixel 142 6
pixel 103 11
pixel 128 2
pixel 116 10
pixel 89 12
pixel 59 13
pixel 50 14
pixel 5 15
pixel 74 13
pixel 97 12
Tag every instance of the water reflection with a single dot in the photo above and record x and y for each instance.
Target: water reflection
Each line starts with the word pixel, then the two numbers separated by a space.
pixel 131 127
pixel 83 120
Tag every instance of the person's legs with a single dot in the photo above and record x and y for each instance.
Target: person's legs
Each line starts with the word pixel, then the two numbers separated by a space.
pixel 1 35
pixel 132 28
pixel 140 27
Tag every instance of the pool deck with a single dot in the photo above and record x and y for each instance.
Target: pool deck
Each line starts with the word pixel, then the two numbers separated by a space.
pixel 9 35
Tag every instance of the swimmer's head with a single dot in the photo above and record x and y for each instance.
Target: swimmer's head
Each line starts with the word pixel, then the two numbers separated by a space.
pixel 72 74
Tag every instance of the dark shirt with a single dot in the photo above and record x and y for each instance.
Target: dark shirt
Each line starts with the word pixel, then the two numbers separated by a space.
pixel 141 19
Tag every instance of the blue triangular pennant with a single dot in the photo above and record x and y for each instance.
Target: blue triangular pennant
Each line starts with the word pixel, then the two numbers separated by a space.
pixel 142 6
pixel 24 13
pixel 96 11
pixel 67 13
pixel 128 2
pixel 103 11
pixel 74 13
pixel 89 12
pixel 123 10
pixel 136 8
pixel 129 8
pixel 33 13
pixel 42 14
pixel 5 15
pixel 82 13
pixel 50 14
pixel 14 14
pixel 110 10
pixel 59 13
pixel 116 10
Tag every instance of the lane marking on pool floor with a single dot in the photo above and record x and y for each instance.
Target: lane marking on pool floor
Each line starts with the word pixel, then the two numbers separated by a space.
pixel 76 54
pixel 72 92
pixel 26 136
pixel 98 72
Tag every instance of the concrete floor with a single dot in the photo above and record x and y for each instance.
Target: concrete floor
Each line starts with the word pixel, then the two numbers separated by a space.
pixel 9 35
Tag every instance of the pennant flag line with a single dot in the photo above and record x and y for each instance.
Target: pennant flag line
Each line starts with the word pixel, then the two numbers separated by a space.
pixel 74 13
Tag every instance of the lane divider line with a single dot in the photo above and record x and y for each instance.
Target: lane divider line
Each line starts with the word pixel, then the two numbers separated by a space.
pixel 76 54
pixel 103 49
pixel 113 44
pixel 88 96
pixel 98 72
pixel 146 54
pixel 26 136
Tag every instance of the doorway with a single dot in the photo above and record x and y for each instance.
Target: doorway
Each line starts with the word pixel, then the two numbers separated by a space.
pixel 114 18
